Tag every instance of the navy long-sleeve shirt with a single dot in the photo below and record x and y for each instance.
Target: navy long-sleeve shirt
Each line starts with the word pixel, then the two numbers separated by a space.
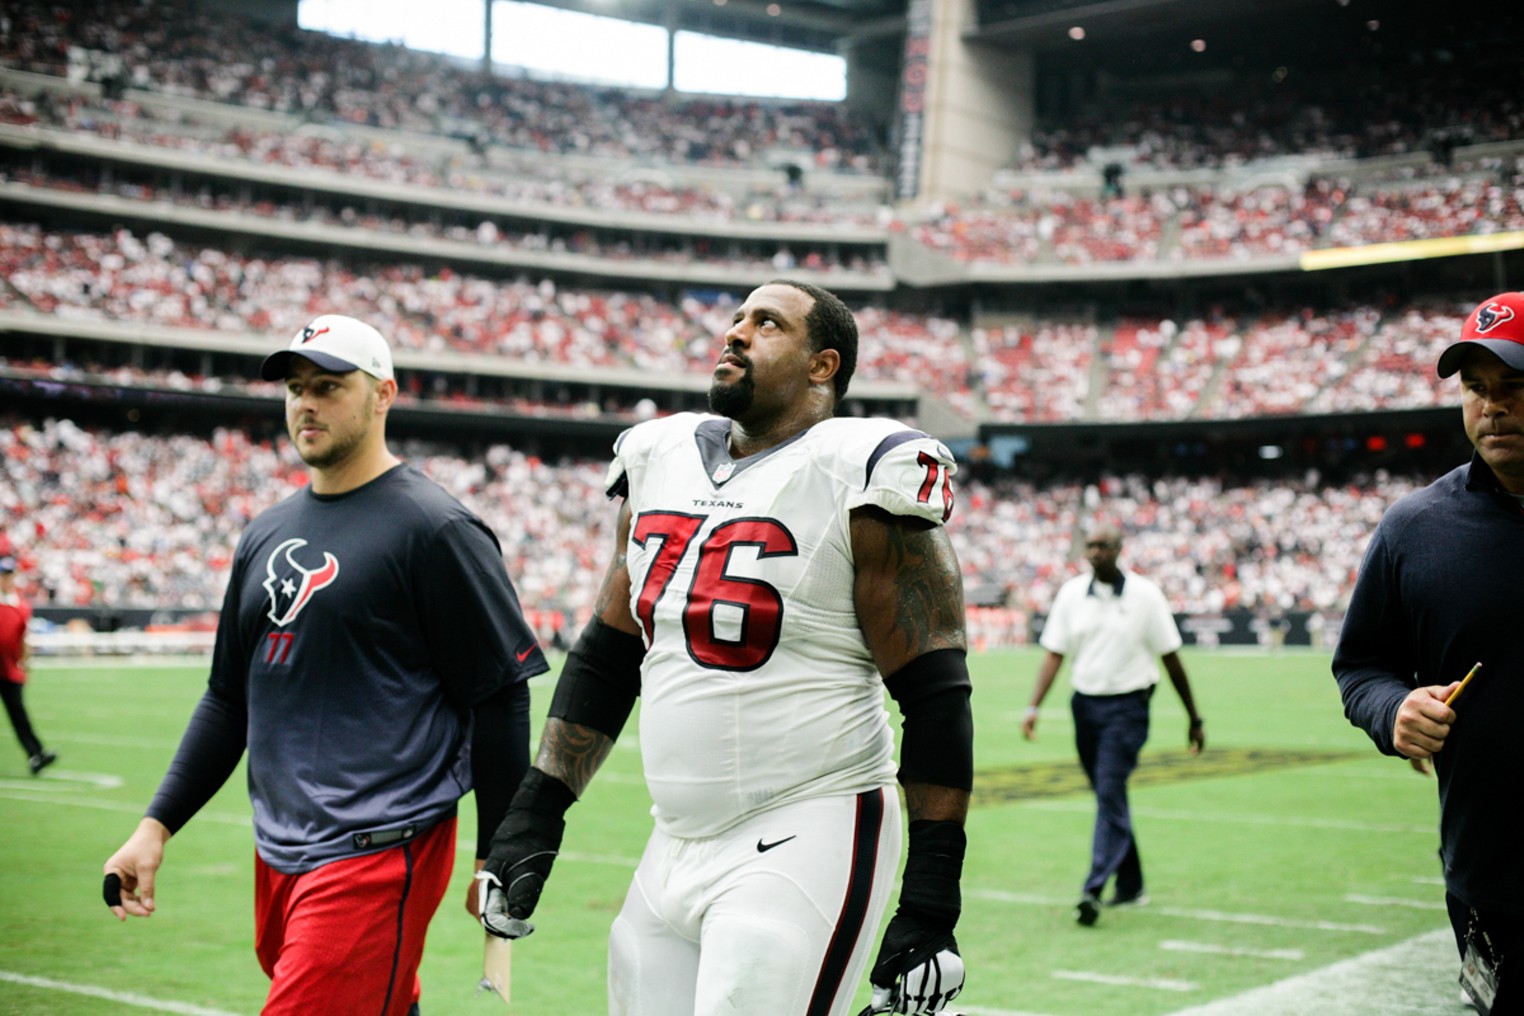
pixel 1441 588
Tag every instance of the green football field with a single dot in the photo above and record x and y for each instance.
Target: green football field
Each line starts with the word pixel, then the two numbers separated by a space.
pixel 1291 869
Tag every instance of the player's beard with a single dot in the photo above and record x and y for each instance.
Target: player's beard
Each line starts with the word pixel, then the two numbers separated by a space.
pixel 732 400
pixel 340 446
pixel 335 453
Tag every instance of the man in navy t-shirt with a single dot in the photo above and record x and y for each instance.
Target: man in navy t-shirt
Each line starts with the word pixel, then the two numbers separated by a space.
pixel 371 657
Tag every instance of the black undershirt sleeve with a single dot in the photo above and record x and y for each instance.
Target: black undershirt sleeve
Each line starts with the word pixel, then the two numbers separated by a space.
pixel 209 751
pixel 933 691
pixel 499 758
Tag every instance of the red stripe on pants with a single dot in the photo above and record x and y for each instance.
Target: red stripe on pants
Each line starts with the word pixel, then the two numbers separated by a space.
pixel 854 906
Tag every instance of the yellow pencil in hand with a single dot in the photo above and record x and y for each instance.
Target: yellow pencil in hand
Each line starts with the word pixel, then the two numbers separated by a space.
pixel 1464 681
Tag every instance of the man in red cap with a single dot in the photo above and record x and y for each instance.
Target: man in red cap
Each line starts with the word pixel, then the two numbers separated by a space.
pixel 1437 593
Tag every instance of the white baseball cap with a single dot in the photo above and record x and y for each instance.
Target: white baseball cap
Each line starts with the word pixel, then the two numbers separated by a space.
pixel 337 343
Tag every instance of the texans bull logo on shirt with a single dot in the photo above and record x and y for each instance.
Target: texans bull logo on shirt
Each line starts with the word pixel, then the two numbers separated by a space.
pixel 291 584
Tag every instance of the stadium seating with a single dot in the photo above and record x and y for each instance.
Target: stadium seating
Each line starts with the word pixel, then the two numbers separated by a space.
pixel 383 150
pixel 139 520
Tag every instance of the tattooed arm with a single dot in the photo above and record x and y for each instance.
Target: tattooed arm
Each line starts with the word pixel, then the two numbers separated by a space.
pixel 594 696
pixel 909 596
pixel 570 751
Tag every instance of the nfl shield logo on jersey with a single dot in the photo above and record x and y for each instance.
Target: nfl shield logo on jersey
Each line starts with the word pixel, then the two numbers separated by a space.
pixel 724 472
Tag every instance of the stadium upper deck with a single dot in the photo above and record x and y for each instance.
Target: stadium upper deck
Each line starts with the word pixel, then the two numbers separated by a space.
pixel 204 144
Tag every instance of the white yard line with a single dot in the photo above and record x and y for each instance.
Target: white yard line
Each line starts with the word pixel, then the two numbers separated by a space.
pixel 1394 901
pixel 117 997
pixel 465 846
pixel 1026 899
pixel 1412 978
pixel 1228 917
pixel 63 779
pixel 39 796
pixel 113 740
pixel 1219 916
pixel 1213 949
pixel 1120 980
pixel 1226 818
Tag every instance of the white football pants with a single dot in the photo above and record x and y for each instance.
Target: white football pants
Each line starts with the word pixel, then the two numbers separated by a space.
pixel 776 917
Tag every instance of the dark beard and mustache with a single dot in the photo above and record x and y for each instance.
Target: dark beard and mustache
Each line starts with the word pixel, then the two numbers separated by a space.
pixel 734 399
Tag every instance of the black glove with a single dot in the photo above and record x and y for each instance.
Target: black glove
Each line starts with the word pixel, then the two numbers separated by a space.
pixel 918 969
pixel 523 850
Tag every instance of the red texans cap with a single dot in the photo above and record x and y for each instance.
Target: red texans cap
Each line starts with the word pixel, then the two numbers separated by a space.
pixel 1497 325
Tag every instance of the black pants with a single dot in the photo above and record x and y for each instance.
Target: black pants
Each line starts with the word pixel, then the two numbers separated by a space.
pixel 1506 932
pixel 10 691
pixel 1109 731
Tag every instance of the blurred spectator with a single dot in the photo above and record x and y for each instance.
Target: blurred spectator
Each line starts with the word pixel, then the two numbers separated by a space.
pixel 15 615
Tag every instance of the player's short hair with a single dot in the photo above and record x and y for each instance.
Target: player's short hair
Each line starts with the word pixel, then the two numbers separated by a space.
pixel 831 326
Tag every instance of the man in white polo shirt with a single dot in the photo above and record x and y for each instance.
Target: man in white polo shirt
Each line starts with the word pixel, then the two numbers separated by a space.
pixel 1115 624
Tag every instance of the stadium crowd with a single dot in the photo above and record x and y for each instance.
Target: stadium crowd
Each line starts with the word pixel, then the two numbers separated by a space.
pixel 138 520
pixel 178 48
pixel 1038 369
pixel 1355 109
pixel 527 180
pixel 1226 221
pixel 124 277
pixel 141 520
pixel 162 46
pixel 1183 223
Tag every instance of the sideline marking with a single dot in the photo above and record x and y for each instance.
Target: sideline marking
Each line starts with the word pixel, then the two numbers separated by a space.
pixel 119 997
pixel 1176 945
pixel 246 821
pixel 53 777
pixel 1393 901
pixel 116 741
pixel 182 661
pixel 1412 978
pixel 1161 983
pixel 1032 899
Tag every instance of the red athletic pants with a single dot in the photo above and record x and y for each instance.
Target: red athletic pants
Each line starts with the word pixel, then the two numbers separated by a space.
pixel 346 939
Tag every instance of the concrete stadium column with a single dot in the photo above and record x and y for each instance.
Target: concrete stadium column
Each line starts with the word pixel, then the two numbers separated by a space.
pixel 978 105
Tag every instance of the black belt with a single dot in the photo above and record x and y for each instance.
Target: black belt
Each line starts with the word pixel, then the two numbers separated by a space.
pixel 383 837
pixel 1145 692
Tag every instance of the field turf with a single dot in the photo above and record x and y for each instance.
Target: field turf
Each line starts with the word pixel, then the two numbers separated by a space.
pixel 1290 867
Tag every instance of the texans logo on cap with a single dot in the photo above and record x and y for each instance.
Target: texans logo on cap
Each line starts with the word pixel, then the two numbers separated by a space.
pixel 309 333
pixel 1490 316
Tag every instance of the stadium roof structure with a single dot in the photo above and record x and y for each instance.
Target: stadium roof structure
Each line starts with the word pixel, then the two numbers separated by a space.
pixel 1123 36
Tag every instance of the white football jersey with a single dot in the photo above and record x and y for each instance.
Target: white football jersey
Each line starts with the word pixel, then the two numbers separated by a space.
pixel 758 687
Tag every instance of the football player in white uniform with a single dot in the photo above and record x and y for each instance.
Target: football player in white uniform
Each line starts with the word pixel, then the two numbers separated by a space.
pixel 772 562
